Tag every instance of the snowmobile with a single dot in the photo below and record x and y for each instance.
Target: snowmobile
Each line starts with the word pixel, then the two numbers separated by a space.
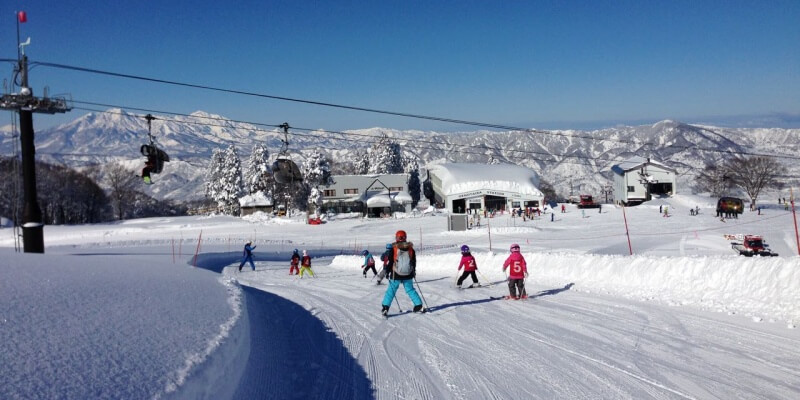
pixel 751 245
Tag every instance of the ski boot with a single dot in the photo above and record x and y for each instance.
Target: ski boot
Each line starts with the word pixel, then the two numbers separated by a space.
pixel 385 311
pixel 420 309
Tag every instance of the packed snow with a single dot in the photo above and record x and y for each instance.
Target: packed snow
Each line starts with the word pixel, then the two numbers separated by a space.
pixel 157 309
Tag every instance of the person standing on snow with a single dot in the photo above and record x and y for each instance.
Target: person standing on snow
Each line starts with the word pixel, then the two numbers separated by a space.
pixel 517 273
pixel 402 270
pixel 385 258
pixel 247 256
pixel 369 262
pixel 295 263
pixel 469 265
pixel 305 265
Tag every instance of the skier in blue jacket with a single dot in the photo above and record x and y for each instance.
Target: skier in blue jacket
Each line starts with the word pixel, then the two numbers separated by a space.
pixel 247 255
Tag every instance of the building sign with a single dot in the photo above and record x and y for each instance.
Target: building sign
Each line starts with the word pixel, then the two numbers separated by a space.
pixel 488 192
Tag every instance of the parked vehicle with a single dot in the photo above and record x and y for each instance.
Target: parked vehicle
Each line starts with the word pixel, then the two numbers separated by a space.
pixel 730 204
pixel 587 201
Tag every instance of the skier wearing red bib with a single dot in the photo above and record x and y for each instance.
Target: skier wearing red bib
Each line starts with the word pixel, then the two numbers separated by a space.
pixel 517 273
pixel 469 265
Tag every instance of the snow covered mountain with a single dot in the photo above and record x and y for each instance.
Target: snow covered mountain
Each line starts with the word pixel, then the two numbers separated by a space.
pixel 572 160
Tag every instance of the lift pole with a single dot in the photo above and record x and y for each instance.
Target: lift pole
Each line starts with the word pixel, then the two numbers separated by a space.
pixel 26 104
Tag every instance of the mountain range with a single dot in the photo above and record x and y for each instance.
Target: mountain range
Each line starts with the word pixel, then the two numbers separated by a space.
pixel 573 161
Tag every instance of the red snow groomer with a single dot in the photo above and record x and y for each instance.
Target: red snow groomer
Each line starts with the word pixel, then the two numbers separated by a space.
pixel 587 202
pixel 750 245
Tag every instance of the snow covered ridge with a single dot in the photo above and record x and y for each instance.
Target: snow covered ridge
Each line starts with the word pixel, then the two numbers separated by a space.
pixel 762 288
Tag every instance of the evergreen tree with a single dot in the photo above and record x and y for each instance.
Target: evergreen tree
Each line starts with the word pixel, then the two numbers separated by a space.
pixel 224 184
pixel 386 157
pixel 231 181
pixel 316 173
pixel 361 163
pixel 214 177
pixel 414 187
pixel 259 174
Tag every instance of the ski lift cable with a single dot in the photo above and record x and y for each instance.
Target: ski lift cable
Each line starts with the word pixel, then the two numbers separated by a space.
pixel 433 141
pixel 413 145
pixel 317 132
pixel 340 106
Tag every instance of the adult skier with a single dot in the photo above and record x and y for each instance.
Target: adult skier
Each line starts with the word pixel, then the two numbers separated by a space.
pixel 385 259
pixel 402 267
pixel 517 273
pixel 295 263
pixel 247 256
pixel 305 265
pixel 369 262
pixel 469 265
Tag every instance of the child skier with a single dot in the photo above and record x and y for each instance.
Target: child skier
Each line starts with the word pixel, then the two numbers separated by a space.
pixel 369 262
pixel 402 267
pixel 247 256
pixel 385 258
pixel 469 265
pixel 295 263
pixel 517 274
pixel 305 265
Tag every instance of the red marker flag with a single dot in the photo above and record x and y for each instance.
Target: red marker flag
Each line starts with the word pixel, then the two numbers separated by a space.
pixel 22 17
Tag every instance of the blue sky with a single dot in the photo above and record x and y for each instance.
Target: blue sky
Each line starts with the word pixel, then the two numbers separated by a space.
pixel 548 65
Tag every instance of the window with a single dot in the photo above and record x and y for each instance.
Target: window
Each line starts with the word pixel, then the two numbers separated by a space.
pixel 329 192
pixel 631 189
pixel 395 188
pixel 351 191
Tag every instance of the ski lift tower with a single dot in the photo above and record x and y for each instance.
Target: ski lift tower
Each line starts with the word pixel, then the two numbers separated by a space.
pixel 25 103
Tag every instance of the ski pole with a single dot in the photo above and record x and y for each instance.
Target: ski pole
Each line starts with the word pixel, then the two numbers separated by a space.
pixel 420 292
pixel 397 302
pixel 484 278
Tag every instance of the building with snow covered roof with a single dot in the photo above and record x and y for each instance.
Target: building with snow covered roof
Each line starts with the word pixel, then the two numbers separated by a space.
pixel 371 195
pixel 460 187
pixel 637 179
pixel 255 202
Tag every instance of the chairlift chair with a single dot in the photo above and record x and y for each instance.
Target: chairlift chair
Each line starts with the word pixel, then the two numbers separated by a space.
pixel 155 156
pixel 284 170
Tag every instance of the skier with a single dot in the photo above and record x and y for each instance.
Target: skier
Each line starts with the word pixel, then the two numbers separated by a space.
pixel 469 265
pixel 305 265
pixel 149 165
pixel 402 267
pixel 385 258
pixel 247 255
pixel 563 208
pixel 295 263
pixel 369 262
pixel 517 273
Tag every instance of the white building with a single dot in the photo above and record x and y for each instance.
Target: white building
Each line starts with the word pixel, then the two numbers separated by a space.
pixel 636 180
pixel 371 195
pixel 460 187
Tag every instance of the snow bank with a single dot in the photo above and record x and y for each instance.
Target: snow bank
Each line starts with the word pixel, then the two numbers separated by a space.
pixel 758 287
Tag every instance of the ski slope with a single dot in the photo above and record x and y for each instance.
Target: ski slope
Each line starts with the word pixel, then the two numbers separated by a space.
pixel 119 311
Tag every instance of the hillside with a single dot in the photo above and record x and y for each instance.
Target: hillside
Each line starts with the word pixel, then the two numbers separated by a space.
pixel 573 161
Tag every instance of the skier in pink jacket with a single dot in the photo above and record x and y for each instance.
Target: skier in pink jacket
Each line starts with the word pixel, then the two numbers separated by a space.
pixel 469 265
pixel 517 273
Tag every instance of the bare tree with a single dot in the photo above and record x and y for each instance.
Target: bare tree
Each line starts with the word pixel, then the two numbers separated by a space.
pixel 713 179
pixel 753 174
pixel 123 188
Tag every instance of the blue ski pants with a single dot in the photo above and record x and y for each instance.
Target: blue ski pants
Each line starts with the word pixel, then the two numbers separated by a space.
pixel 391 291
pixel 246 259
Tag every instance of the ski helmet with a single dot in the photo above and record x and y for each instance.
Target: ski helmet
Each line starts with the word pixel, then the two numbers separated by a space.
pixel 296 251
pixel 365 252
pixel 400 236
pixel 465 249
pixel 388 246
pixel 515 248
